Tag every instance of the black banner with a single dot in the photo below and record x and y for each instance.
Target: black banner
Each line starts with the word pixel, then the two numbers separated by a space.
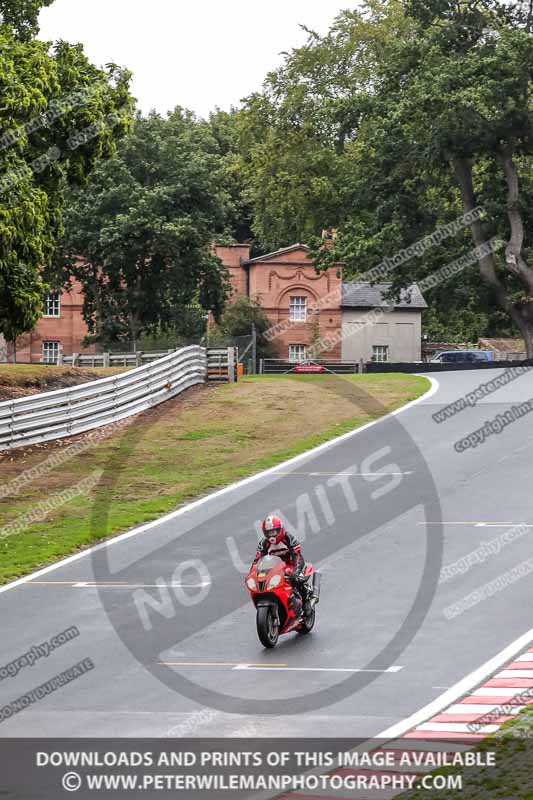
pixel 48 769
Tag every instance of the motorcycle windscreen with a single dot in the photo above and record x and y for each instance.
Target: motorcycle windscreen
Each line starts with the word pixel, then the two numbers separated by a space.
pixel 266 563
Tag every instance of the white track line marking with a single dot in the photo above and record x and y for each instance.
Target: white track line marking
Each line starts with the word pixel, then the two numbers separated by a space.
pixel 481 709
pixel 351 474
pixel 454 727
pixel 434 746
pixel 501 524
pixel 515 673
pixel 312 669
pixel 490 691
pixel 94 585
pixel 461 688
pixel 273 667
pixel 481 524
pixel 525 657
pixel 232 664
pixel 220 492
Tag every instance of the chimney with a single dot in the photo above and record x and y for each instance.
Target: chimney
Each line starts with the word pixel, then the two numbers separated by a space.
pixel 329 237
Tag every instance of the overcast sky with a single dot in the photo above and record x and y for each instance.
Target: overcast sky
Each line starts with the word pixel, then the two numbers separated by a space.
pixel 195 53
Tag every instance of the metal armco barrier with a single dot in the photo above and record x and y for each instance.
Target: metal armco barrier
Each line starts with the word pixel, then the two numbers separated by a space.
pixel 65 412
pixel 219 361
pixel 113 359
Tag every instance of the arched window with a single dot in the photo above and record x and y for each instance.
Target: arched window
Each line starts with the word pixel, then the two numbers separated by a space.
pixel 298 308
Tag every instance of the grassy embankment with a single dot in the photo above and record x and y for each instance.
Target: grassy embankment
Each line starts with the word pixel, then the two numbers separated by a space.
pixel 186 447
pixel 19 380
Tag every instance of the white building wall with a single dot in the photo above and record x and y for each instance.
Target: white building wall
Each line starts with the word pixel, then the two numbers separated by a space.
pixel 399 330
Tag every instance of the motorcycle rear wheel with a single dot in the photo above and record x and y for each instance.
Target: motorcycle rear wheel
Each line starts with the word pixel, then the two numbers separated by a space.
pixel 308 623
pixel 267 626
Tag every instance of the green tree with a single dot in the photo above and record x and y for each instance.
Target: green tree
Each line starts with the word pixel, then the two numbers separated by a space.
pixel 224 128
pixel 299 135
pixel 294 182
pixel 238 320
pixel 462 91
pixel 22 16
pixel 424 111
pixel 50 94
pixel 143 229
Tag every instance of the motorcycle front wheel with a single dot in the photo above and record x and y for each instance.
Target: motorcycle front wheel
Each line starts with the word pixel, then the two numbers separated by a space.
pixel 267 626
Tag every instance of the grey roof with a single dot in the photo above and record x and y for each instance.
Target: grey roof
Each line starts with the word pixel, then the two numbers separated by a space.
pixel 366 295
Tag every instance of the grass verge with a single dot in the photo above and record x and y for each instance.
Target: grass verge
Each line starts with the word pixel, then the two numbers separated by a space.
pixel 19 380
pixel 188 446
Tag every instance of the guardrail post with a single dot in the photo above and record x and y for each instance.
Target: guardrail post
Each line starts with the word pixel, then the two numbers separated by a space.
pixel 205 362
pixel 107 359
pixel 12 417
pixel 150 380
pixel 3 350
pixel 116 388
pixel 231 365
pixel 139 358
pixel 75 359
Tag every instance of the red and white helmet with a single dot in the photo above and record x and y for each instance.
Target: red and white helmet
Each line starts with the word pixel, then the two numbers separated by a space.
pixel 273 529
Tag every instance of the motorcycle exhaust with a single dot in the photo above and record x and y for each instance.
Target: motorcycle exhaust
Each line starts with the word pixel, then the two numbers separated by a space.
pixel 316 585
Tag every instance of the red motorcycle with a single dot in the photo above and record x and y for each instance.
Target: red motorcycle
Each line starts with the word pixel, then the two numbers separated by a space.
pixel 279 605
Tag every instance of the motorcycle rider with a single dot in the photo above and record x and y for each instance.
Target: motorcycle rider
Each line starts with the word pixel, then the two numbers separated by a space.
pixel 277 542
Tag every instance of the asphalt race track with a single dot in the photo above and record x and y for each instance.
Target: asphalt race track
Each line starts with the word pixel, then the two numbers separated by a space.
pixel 166 620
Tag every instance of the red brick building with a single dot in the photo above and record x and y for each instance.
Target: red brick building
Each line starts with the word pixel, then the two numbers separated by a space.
pixel 306 309
pixel 303 306
pixel 60 330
